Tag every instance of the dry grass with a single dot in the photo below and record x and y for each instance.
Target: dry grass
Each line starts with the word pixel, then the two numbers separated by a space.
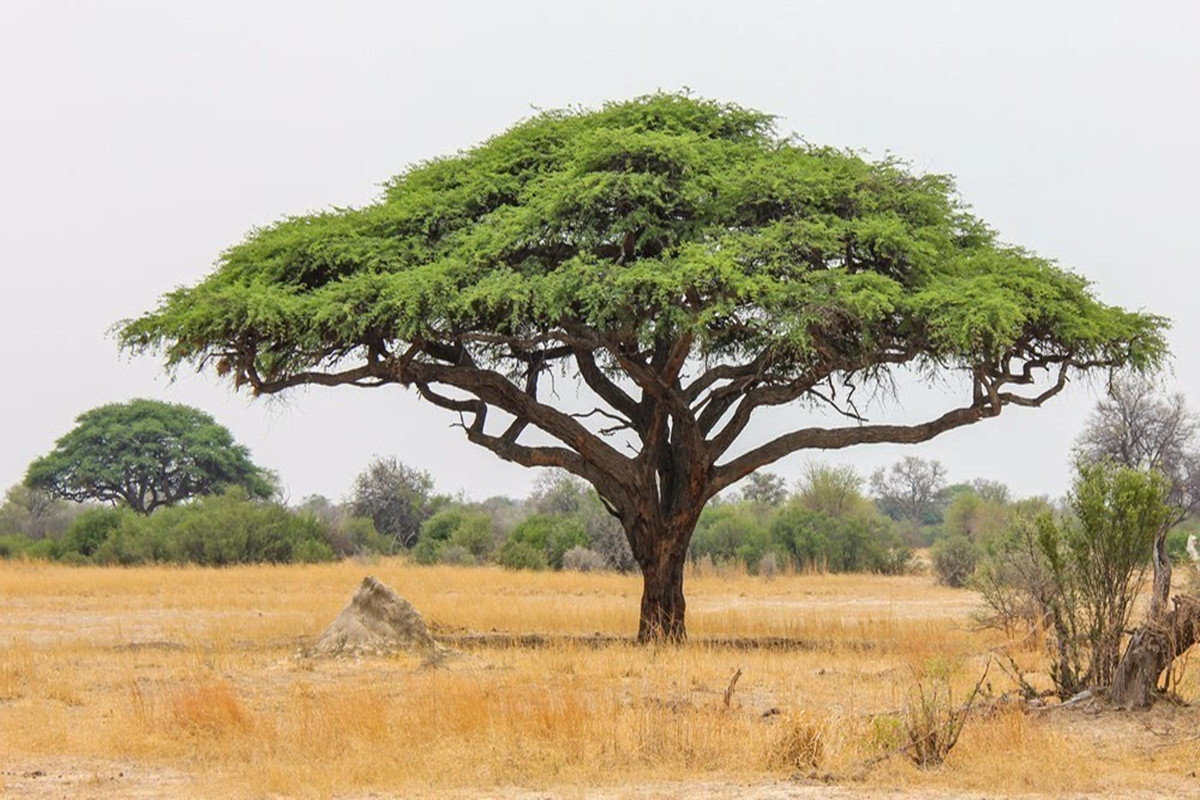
pixel 193 672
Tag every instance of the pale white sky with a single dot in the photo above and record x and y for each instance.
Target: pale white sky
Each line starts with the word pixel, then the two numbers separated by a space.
pixel 138 139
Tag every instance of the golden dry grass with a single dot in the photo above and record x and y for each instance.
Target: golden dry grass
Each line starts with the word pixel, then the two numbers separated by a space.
pixel 190 678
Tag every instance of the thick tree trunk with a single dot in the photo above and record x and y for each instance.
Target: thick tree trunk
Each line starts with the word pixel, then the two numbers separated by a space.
pixel 663 605
pixel 1151 650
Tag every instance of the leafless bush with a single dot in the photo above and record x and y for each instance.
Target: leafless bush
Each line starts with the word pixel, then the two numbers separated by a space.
pixel 581 559
pixel 933 721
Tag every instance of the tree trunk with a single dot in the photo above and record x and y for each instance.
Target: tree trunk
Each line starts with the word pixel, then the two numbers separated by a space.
pixel 662 593
pixel 1151 650
pixel 1161 590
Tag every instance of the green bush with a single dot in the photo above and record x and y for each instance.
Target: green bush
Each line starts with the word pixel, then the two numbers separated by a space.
pixel 816 540
pixel 89 530
pixel 474 535
pixel 454 527
pixel 552 535
pixel 14 545
pixel 516 554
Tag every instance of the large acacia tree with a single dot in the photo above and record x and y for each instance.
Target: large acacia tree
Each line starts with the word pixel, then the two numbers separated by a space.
pixel 685 262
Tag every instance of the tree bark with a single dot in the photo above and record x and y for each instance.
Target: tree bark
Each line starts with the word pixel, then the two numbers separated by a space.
pixel 663 604
pixel 1151 650
pixel 1161 589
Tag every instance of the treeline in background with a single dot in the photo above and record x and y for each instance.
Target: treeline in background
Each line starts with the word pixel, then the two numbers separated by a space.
pixel 831 520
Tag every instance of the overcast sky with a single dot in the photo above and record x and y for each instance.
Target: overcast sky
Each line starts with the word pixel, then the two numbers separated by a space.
pixel 137 140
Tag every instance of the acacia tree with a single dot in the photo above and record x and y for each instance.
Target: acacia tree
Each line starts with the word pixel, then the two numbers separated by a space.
pixel 146 454
pixel 689 265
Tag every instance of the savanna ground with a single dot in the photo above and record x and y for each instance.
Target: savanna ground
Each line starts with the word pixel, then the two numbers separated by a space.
pixel 151 682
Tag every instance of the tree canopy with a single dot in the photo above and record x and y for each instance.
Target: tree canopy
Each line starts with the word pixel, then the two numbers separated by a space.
pixel 689 264
pixel 146 454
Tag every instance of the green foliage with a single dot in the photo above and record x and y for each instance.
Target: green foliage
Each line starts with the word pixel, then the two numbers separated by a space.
pixel 731 531
pixel 90 529
pixel 835 491
pixel 552 535
pixel 607 218
pixel 475 535
pixel 814 540
pixel 954 560
pixel 396 497
pixel 358 536
pixel 1177 541
pixel 515 554
pixel 214 530
pixel 1098 561
pixel 146 454
pixel 457 527
pixel 974 518
pixel 441 525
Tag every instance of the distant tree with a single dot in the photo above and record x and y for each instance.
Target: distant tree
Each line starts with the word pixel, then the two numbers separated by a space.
pixel 764 487
pixel 556 491
pixel 975 518
pixel 396 497
pixel 836 491
pixel 35 513
pixel 991 491
pixel 910 489
pixel 690 265
pixel 145 454
pixel 1140 427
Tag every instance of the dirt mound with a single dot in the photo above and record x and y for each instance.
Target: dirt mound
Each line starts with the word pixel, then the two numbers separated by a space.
pixel 376 622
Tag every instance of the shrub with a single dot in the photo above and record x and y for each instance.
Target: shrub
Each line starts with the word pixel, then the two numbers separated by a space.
pixel 13 545
pixel 516 554
pixel 89 530
pixel 457 555
pixel 474 534
pixel 1098 561
pixel 551 534
pixel 454 527
pixel 428 551
pixel 932 721
pixel 1014 578
pixel 580 559
pixel 954 561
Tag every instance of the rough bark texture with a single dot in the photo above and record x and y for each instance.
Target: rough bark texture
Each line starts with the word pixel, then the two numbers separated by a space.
pixel 1151 650
pixel 663 604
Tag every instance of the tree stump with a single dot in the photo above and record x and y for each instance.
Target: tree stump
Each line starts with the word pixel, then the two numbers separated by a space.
pixel 1151 650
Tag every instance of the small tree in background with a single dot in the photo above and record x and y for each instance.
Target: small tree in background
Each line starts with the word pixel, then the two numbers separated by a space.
pixel 396 497
pixel 34 513
pixel 145 454
pixel 1138 426
pixel 1098 560
pixel 909 489
pixel 764 487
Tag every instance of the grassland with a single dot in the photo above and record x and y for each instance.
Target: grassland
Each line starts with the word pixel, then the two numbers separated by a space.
pixel 186 682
